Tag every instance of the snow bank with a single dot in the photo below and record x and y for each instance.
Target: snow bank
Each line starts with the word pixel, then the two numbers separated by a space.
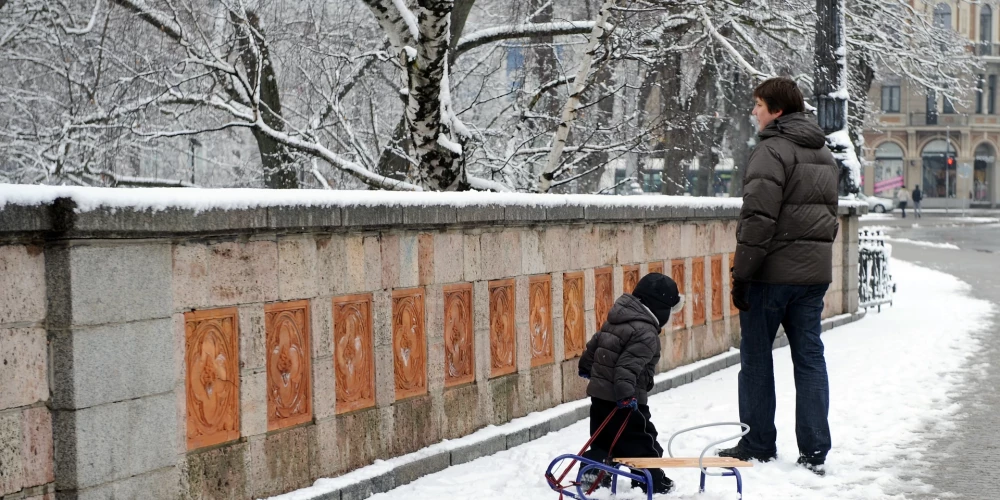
pixel 198 199
pixel 893 377
pixel 926 244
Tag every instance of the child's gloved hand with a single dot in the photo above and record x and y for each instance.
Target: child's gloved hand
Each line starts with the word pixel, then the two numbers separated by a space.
pixel 629 403
pixel 584 374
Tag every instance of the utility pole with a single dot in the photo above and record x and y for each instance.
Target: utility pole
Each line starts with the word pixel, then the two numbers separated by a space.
pixel 947 169
pixel 830 84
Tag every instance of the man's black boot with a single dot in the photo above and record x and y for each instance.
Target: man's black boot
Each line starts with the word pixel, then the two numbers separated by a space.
pixel 816 465
pixel 740 453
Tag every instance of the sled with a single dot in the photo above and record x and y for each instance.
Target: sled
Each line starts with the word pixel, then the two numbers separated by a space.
pixel 580 490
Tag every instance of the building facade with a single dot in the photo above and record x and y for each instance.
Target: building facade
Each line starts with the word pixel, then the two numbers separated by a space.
pixel 948 149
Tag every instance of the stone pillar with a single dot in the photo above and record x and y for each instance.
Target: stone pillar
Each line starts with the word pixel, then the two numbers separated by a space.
pixel 850 225
pixel 115 367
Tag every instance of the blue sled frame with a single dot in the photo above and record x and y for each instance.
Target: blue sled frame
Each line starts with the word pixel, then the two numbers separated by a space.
pixel 576 490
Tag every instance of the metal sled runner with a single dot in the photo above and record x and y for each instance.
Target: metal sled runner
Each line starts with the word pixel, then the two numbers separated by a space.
pixel 581 489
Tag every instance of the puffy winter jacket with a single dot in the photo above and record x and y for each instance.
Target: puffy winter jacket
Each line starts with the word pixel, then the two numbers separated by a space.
pixel 621 358
pixel 789 217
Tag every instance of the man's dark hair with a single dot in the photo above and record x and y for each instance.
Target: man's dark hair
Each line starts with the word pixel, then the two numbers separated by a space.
pixel 781 94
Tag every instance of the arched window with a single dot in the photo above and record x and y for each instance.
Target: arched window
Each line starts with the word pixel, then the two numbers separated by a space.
pixel 888 169
pixel 986 31
pixel 939 169
pixel 942 16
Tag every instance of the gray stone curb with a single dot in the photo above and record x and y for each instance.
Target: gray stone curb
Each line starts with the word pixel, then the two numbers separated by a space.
pixel 411 471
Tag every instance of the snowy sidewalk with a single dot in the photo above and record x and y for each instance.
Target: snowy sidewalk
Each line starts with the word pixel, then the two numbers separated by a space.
pixel 891 378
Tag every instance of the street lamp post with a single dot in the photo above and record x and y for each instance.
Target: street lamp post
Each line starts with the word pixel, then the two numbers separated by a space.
pixel 947 169
pixel 830 81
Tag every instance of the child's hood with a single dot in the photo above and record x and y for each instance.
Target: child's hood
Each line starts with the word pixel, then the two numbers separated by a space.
pixel 628 309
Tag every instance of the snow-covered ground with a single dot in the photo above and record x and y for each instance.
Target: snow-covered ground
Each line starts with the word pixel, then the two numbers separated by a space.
pixel 892 376
pixel 926 244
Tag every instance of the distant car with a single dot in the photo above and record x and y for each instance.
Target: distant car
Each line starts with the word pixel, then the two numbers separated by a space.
pixel 876 204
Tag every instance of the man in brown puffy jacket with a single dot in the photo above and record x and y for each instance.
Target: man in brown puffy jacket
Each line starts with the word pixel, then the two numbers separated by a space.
pixel 783 267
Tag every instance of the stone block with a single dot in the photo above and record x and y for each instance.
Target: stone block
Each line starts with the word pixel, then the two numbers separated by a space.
pixel 661 213
pixel 409 472
pixel 324 460
pixel 425 259
pixel 22 284
pixel 416 425
pixel 324 388
pixel 472 451
pixel 583 246
pixel 348 264
pixel 243 272
pixel 321 317
pixel 219 473
pixel 163 483
pixel 409 259
pixel 546 387
pixel 24 368
pixel 505 399
pixel 460 416
pixel 500 255
pixel 190 276
pixel 448 257
pixel 296 267
pixel 518 437
pixel 18 218
pixel 279 462
pixel 389 245
pixel 120 362
pixel 473 257
pixel 11 458
pixel 373 486
pixel 253 403
pixel 532 256
pixel 607 245
pixel 569 418
pixel 481 213
pixel 36 449
pixel 117 440
pixel 565 213
pixel 573 385
pixel 374 215
pixel 385 379
pixel 555 246
pixel 434 309
pixel 303 217
pixel 430 215
pixel 358 438
pixel 104 288
pixel 253 337
pixel 614 213
pixel 523 213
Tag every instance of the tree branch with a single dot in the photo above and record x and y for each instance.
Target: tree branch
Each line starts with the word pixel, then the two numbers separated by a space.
pixel 512 32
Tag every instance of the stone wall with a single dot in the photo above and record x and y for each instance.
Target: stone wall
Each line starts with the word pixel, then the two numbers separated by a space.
pixel 245 353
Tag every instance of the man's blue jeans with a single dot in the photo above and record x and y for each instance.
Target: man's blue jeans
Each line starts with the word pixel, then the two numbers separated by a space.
pixel 799 309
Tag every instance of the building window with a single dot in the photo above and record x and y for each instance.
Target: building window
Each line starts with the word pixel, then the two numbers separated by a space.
pixel 942 16
pixel 979 95
pixel 948 107
pixel 932 114
pixel 986 31
pixel 890 99
pixel 939 169
pixel 888 169
pixel 991 95
pixel 515 65
pixel 983 171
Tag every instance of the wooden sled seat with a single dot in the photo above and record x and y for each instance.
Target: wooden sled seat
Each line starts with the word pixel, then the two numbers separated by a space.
pixel 676 463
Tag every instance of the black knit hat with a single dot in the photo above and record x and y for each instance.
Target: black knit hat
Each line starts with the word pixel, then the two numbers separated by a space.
pixel 659 294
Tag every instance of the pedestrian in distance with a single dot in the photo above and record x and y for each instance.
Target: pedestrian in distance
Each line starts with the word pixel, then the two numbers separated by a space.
pixel 782 270
pixel 917 198
pixel 619 363
pixel 903 195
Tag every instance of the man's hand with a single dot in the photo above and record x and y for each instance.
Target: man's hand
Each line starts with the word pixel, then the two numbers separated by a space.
pixel 741 295
pixel 629 403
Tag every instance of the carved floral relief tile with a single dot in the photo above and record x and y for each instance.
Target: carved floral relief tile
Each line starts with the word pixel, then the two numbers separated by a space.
pixel 540 319
pixel 503 329
pixel 574 322
pixel 677 273
pixel 212 385
pixel 717 301
pixel 656 267
pixel 409 343
pixel 698 291
pixel 630 277
pixel 603 295
pixel 353 354
pixel 289 368
pixel 459 336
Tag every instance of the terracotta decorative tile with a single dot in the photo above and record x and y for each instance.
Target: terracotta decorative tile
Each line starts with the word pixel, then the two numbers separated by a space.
pixel 409 343
pixel 630 277
pixel 540 319
pixel 733 311
pixel 459 350
pixel 604 296
pixel 353 354
pixel 574 322
pixel 656 267
pixel 717 301
pixel 289 367
pixel 677 273
pixel 503 330
pixel 212 385
pixel 698 291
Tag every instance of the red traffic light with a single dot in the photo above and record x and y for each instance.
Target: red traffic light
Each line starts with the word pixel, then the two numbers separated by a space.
pixel 951 161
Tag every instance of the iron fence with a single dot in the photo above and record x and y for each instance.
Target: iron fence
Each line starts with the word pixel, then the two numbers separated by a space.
pixel 875 283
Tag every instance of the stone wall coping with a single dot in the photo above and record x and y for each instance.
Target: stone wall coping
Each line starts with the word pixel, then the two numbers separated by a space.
pixel 148 212
pixel 395 472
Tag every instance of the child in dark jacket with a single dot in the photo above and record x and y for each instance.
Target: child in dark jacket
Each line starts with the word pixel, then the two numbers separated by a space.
pixel 620 362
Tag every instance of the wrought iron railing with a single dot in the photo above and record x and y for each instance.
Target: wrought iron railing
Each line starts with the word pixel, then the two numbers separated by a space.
pixel 875 283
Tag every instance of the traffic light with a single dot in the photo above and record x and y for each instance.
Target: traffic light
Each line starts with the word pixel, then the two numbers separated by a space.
pixel 951 161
